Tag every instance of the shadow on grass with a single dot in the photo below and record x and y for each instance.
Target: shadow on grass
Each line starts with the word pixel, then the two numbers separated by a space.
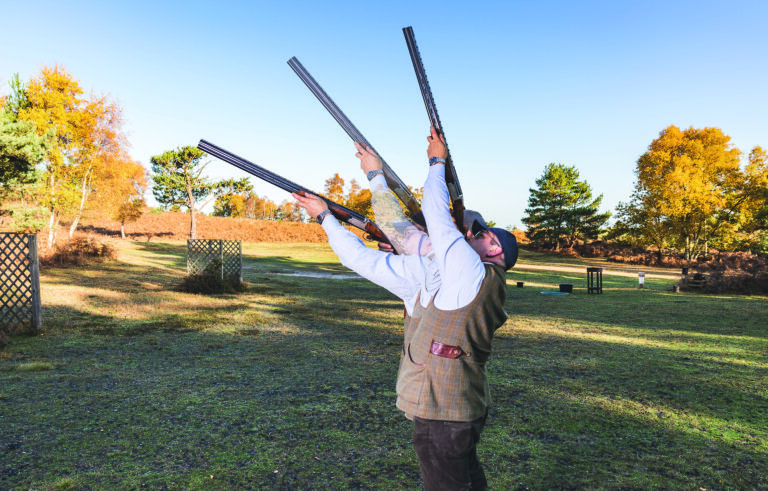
pixel 556 437
pixel 717 385
pixel 314 402
pixel 64 318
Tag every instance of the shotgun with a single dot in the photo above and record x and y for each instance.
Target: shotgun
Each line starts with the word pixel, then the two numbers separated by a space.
pixel 451 180
pixel 393 181
pixel 372 231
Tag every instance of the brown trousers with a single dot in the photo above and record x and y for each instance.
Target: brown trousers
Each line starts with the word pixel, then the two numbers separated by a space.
pixel 447 454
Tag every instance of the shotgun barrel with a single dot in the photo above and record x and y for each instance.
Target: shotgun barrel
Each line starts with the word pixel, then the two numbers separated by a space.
pixel 340 212
pixel 451 179
pixel 393 181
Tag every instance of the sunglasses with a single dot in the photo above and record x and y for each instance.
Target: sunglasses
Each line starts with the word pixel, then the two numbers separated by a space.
pixel 478 230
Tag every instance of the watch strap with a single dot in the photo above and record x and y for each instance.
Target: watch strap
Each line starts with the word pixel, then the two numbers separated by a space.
pixel 322 216
pixel 374 173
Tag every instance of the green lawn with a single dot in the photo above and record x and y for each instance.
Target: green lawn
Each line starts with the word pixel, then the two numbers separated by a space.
pixel 291 384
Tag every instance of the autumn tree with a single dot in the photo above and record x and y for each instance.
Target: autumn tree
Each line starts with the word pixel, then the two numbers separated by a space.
pixel 233 204
pixel 753 221
pixel 179 181
pixel 641 223
pixel 230 205
pixel 88 136
pixel 128 184
pixel 56 103
pixel 289 211
pixel 260 208
pixel 418 193
pixel 105 149
pixel 690 191
pixel 561 207
pixel 359 200
pixel 356 198
pixel 334 189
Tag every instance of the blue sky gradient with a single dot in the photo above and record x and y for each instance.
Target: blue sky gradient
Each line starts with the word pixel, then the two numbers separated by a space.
pixel 518 84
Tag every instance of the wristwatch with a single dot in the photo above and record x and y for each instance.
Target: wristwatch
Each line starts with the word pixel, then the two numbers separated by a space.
pixel 321 216
pixel 436 160
pixel 374 173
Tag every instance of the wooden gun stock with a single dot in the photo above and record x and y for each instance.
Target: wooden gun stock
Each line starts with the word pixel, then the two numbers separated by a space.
pixel 451 179
pixel 372 231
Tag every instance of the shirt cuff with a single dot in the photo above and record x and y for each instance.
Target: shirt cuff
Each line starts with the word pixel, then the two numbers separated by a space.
pixel 378 183
pixel 330 223
pixel 437 171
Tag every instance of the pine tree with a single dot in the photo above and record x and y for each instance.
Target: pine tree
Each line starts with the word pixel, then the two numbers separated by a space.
pixel 562 207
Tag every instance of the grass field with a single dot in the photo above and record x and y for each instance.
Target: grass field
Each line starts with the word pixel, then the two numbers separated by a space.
pixel 291 384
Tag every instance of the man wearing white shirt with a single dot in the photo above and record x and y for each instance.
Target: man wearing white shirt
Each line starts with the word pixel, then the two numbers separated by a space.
pixel 454 297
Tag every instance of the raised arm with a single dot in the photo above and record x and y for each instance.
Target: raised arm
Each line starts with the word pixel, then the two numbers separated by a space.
pixel 461 269
pixel 406 237
pixel 397 274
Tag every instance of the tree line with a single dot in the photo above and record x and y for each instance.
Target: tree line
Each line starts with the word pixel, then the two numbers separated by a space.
pixel 64 154
pixel 693 190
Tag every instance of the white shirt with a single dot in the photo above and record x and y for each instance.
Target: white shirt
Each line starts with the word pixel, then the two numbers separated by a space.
pixel 452 275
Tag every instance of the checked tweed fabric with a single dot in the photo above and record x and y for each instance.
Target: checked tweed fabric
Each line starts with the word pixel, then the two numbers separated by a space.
pixel 451 389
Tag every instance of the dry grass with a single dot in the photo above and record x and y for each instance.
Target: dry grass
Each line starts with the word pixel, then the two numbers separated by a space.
pixel 79 250
pixel 736 272
pixel 175 226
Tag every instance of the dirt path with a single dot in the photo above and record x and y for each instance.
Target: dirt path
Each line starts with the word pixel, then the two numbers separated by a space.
pixel 629 271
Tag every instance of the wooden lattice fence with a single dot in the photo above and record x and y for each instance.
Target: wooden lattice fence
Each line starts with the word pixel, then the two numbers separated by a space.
pixel 222 257
pixel 20 307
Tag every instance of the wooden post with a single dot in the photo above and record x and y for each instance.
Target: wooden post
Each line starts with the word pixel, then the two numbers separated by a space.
pixel 220 243
pixel 34 264
pixel 240 260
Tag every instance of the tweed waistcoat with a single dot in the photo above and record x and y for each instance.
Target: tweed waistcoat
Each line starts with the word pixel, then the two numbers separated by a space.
pixel 442 365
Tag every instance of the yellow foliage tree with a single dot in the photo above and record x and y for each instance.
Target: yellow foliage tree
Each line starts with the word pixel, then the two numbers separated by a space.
pixel 289 211
pixel 103 149
pixel 334 189
pixel 689 189
pixel 128 183
pixel 359 200
pixel 260 208
pixel 88 137
pixel 754 217
pixel 238 205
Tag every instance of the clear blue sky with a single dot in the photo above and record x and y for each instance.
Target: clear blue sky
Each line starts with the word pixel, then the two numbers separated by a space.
pixel 518 84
